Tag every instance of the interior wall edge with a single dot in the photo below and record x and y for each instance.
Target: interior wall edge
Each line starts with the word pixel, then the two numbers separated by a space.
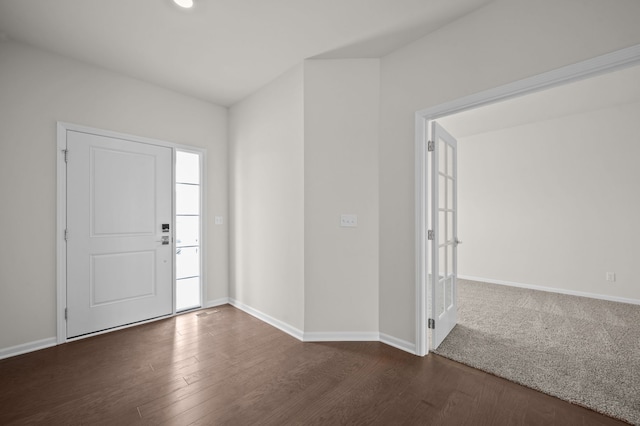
pixel 216 302
pixel 398 343
pixel 552 290
pixel 280 325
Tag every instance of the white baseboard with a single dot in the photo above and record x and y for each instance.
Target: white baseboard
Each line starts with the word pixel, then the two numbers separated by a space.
pixel 340 336
pixel 317 336
pixel 326 336
pixel 217 302
pixel 398 343
pixel 281 325
pixel 553 290
pixel 28 347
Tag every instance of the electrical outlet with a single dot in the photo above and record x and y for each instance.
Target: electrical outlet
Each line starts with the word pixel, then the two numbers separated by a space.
pixel 611 276
pixel 349 220
pixel 218 220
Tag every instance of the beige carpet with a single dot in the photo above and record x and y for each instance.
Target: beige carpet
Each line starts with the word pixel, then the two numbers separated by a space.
pixel 582 350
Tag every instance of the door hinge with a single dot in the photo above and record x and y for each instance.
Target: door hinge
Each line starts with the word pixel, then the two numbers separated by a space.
pixel 65 313
pixel 66 155
pixel 431 323
pixel 431 146
pixel 430 234
pixel 66 235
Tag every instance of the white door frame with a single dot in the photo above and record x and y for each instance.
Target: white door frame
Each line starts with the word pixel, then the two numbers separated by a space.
pixel 599 65
pixel 61 215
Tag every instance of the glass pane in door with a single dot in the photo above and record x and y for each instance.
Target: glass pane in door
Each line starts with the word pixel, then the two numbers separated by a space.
pixel 187 199
pixel 442 161
pixel 187 167
pixel 188 225
pixel 442 192
pixel 187 231
pixel 187 262
pixel 187 293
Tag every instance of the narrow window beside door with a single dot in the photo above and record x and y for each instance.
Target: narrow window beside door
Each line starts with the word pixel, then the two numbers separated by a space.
pixel 188 220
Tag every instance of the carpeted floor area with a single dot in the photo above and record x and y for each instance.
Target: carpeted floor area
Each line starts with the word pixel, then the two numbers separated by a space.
pixel 582 350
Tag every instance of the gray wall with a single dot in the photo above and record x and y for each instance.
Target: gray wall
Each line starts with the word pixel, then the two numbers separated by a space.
pixel 303 151
pixel 267 200
pixel 341 176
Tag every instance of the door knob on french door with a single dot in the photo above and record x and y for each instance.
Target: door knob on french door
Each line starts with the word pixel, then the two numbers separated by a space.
pixel 457 241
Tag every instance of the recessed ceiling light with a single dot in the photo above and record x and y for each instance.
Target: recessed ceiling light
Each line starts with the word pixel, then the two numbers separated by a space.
pixel 184 3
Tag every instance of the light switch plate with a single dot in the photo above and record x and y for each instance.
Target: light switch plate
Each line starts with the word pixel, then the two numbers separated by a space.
pixel 219 220
pixel 349 220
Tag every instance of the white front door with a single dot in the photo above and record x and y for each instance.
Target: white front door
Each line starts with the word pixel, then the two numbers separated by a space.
pixel 119 197
pixel 444 238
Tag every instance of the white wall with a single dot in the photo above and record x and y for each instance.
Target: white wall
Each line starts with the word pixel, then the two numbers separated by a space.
pixel 554 203
pixel 267 200
pixel 341 176
pixel 37 89
pixel 505 41
pixel 303 150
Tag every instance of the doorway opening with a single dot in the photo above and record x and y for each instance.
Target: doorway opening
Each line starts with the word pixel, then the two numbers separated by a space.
pixel 589 68
pixel 538 274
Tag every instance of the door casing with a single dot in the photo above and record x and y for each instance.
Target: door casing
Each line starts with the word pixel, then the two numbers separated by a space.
pixel 61 214
pixel 619 59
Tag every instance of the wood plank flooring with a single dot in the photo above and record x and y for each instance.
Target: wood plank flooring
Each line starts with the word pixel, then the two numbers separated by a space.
pixel 221 366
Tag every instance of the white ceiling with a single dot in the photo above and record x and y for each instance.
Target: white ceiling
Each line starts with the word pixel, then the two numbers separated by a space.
pixel 605 91
pixel 221 50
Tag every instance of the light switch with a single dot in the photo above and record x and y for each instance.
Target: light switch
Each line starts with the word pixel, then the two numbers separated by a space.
pixel 349 220
pixel 218 220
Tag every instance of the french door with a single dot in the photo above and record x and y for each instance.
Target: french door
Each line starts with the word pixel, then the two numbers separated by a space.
pixel 443 233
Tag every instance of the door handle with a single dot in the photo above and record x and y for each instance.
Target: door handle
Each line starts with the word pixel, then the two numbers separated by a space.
pixel 457 241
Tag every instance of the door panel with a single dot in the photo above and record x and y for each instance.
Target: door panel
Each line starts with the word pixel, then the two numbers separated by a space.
pixel 444 225
pixel 118 196
pixel 134 200
pixel 134 272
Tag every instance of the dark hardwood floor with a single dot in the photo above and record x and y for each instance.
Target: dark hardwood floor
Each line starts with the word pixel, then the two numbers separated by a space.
pixel 221 366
